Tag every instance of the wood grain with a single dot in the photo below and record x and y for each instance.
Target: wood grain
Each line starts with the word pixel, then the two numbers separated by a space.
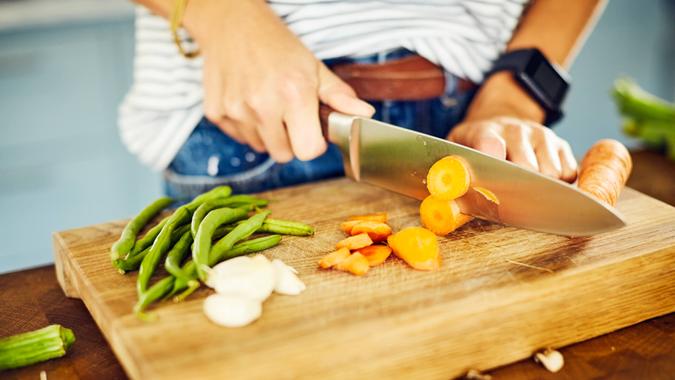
pixel 502 293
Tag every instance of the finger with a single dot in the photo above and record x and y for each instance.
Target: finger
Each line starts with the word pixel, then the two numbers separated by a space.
pixel 519 149
pixel 302 124
pixel 213 110
pixel 489 141
pixel 340 96
pixel 252 138
pixel 274 136
pixel 546 150
pixel 229 127
pixel 568 162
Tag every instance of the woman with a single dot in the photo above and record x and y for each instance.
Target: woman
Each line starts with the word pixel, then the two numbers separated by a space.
pixel 245 111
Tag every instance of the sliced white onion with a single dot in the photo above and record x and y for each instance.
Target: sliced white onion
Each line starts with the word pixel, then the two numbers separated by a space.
pixel 244 276
pixel 287 282
pixel 231 311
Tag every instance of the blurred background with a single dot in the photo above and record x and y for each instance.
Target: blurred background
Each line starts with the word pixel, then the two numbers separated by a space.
pixel 66 65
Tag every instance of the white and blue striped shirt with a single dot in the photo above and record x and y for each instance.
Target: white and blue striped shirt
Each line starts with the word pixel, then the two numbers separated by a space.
pixel 164 103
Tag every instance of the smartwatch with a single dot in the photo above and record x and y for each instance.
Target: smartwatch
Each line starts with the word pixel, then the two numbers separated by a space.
pixel 544 81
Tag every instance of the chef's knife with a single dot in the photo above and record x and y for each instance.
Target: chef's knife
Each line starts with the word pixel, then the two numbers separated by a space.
pixel 398 159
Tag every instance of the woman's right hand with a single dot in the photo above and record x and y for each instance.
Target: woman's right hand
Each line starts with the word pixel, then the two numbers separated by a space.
pixel 262 86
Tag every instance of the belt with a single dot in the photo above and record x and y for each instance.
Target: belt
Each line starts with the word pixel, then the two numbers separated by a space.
pixel 408 78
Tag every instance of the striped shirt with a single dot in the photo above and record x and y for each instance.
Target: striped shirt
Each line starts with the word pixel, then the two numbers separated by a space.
pixel 164 103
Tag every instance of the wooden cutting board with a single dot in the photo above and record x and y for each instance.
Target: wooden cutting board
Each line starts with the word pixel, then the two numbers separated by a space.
pixel 502 293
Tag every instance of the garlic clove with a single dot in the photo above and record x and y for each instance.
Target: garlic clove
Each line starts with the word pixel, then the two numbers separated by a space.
pixel 551 359
pixel 247 277
pixel 231 311
pixel 287 282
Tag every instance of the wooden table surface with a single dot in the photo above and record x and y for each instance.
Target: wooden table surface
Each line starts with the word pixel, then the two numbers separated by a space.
pixel 32 298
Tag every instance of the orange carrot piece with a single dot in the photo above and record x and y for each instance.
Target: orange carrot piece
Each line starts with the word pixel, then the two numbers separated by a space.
pixel 605 170
pixel 356 264
pixel 449 178
pixel 376 217
pixel 375 254
pixel 347 226
pixel 487 194
pixel 417 246
pixel 334 258
pixel 376 231
pixel 355 242
pixel 440 216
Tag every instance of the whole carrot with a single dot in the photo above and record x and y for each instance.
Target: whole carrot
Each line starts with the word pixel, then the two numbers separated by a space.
pixel 605 170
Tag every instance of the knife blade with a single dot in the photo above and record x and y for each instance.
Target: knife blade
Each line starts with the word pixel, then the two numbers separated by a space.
pixel 398 159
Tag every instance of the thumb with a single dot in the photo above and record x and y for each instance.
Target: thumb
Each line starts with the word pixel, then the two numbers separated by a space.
pixel 339 95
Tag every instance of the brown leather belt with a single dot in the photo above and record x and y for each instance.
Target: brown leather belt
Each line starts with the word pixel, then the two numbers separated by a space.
pixel 408 78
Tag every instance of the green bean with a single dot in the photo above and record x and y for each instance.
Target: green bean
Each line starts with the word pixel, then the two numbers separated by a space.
pixel 135 225
pixel 133 261
pixel 215 193
pixel 240 232
pixel 202 246
pixel 276 226
pixel 156 291
pixel 177 254
pixel 159 248
pixel 242 248
pixel 149 237
pixel 233 201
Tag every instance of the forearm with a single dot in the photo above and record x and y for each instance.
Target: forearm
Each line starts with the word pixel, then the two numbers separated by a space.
pixel 556 27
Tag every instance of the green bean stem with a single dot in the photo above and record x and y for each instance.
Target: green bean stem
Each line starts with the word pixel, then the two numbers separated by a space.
pixel 35 346
pixel 202 246
pixel 239 249
pixel 135 225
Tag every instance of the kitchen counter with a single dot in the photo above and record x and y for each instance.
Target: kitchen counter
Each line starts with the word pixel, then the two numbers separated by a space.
pixel 32 299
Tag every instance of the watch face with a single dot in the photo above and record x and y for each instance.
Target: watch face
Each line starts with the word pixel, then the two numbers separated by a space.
pixel 548 80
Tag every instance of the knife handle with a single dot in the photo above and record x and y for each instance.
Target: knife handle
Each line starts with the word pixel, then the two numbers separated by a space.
pixel 605 170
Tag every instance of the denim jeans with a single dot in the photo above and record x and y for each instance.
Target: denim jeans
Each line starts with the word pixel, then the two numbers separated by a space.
pixel 210 158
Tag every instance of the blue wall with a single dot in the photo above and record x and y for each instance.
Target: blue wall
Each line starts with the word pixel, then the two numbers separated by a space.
pixel 62 164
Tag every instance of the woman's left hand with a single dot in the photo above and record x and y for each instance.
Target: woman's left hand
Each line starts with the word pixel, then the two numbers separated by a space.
pixel 501 122
pixel 523 142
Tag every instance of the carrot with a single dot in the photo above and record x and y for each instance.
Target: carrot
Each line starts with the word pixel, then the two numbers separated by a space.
pixel 375 254
pixel 417 246
pixel 448 178
pixel 487 194
pixel 334 258
pixel 356 264
pixel 440 216
pixel 347 226
pixel 376 217
pixel 605 170
pixel 376 231
pixel 355 242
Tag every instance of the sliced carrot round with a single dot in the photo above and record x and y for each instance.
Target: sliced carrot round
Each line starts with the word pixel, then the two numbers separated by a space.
pixel 417 246
pixel 441 216
pixel 376 254
pixel 449 178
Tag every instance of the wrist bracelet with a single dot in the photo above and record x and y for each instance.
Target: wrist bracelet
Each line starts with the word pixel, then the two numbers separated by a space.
pixel 175 23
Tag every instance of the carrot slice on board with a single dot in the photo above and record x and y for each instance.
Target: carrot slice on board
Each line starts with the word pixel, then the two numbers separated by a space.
pixel 375 254
pixel 440 216
pixel 376 217
pixel 356 264
pixel 449 178
pixel 355 242
pixel 417 246
pixel 487 194
pixel 334 258
pixel 347 226
pixel 376 230
pixel 605 170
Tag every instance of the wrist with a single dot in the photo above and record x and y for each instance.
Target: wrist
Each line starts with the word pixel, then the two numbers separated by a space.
pixel 501 95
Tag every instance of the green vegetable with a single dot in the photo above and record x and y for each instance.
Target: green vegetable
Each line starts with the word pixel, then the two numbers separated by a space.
pixel 149 237
pixel 239 249
pixel 132 262
pixel 36 346
pixel 215 193
pixel 135 225
pixel 233 201
pixel 177 254
pixel 156 292
pixel 202 247
pixel 646 117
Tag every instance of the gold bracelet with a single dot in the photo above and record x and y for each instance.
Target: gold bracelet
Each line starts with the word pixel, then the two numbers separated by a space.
pixel 176 20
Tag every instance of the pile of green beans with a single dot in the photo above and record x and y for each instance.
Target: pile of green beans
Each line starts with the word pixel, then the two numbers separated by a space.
pixel 213 227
